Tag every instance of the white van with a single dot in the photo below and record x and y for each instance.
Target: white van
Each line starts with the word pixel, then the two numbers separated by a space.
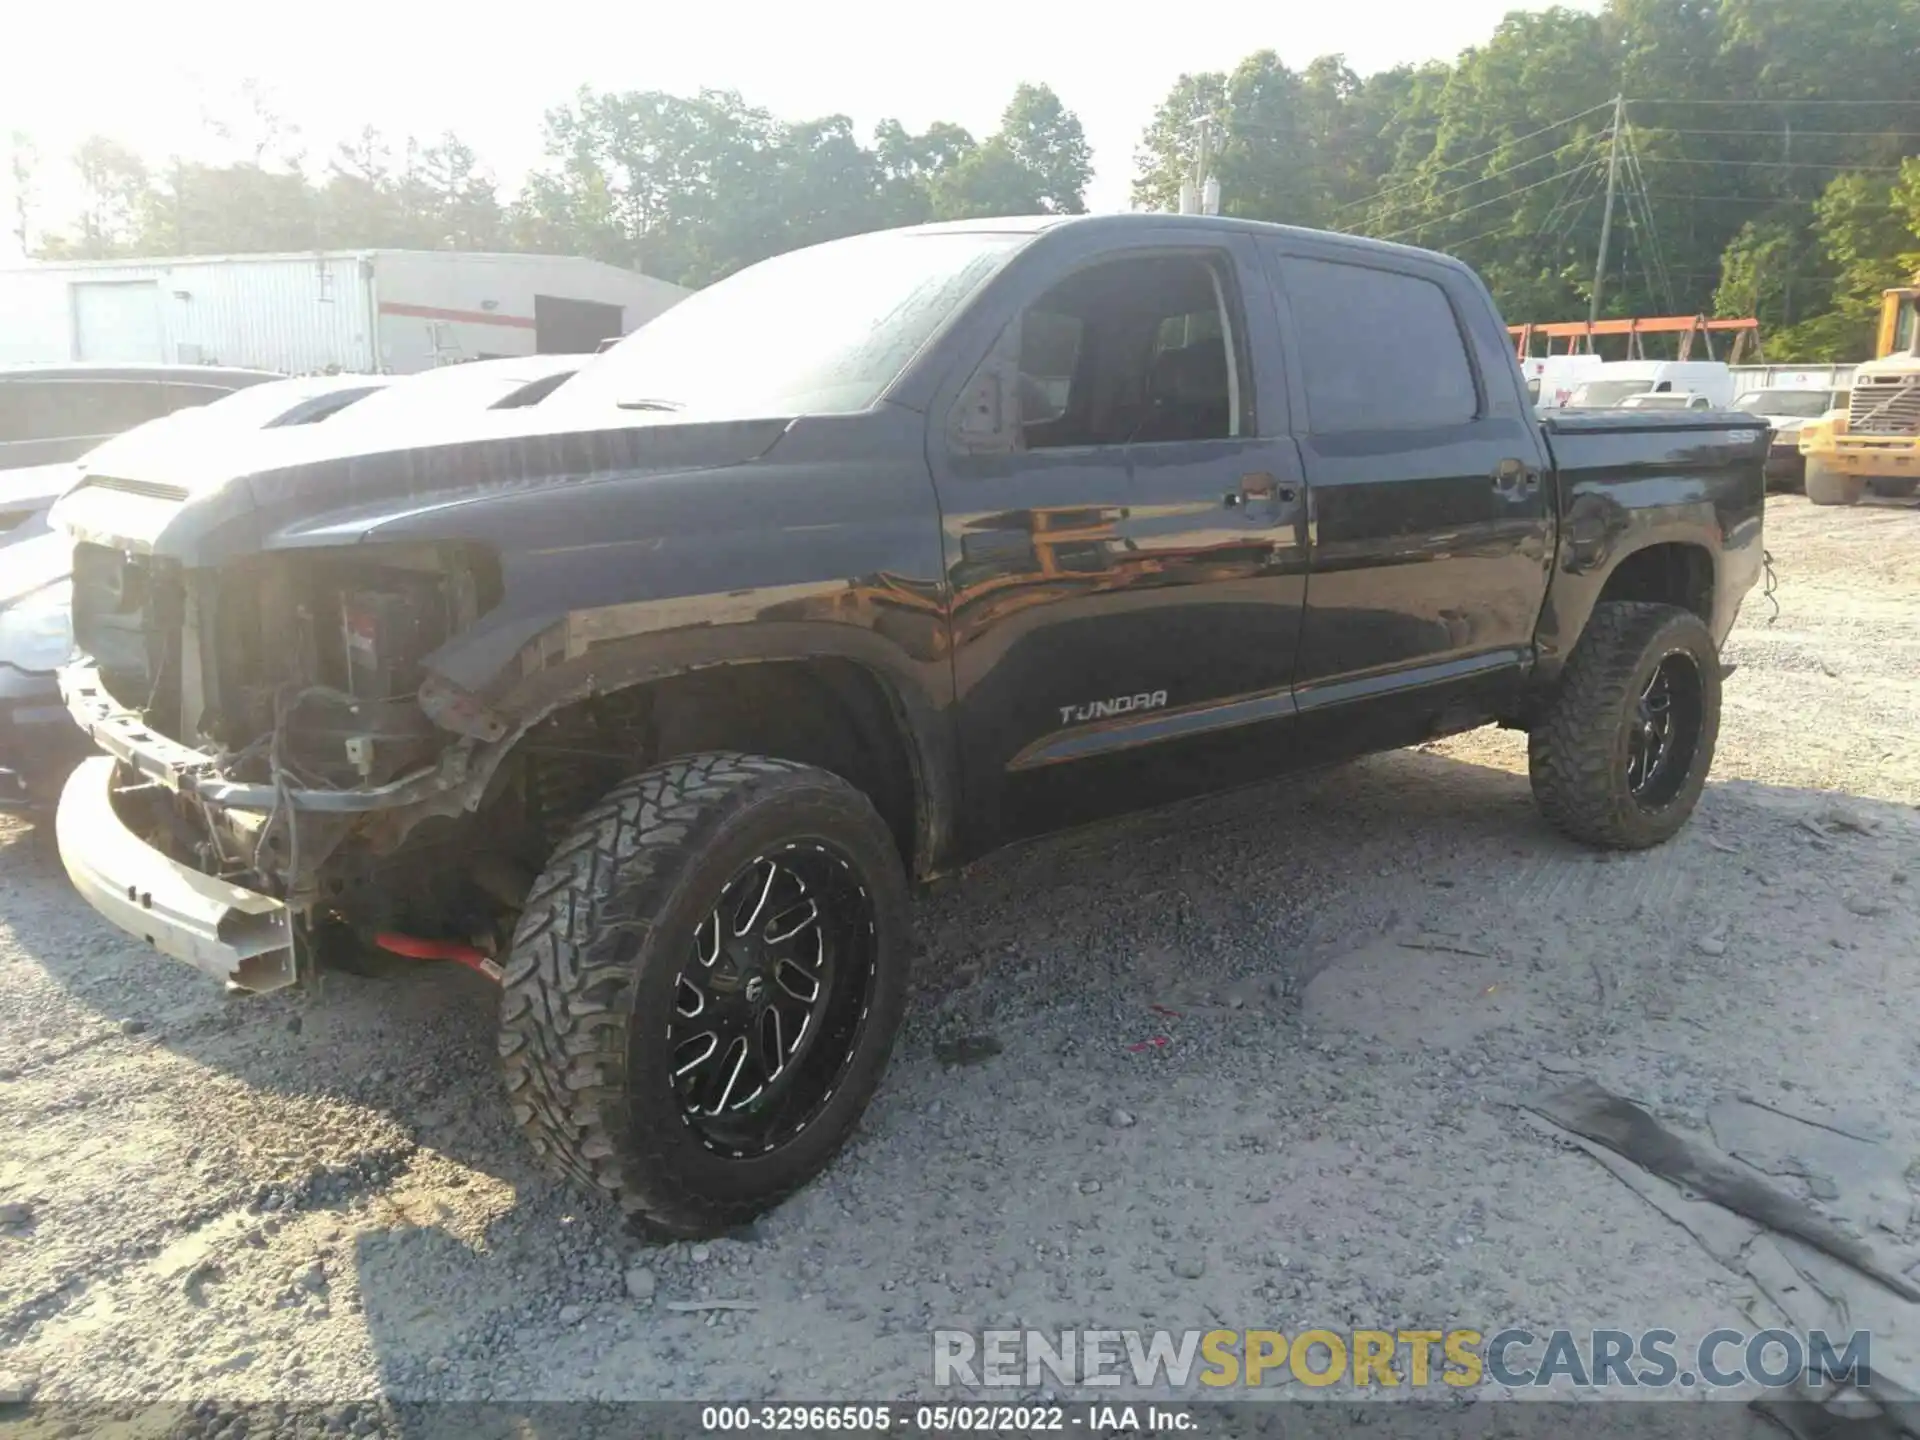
pixel 1614 381
pixel 1551 378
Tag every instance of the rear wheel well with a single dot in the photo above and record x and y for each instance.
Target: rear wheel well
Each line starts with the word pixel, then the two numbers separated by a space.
pixel 1670 574
pixel 830 713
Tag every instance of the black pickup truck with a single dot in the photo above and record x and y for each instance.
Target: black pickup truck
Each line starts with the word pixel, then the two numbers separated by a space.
pixel 647 703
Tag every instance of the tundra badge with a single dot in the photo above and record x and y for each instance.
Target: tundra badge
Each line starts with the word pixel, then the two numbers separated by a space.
pixel 1119 705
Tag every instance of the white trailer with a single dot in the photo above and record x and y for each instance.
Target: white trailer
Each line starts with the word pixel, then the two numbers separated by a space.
pixel 377 311
pixel 1792 377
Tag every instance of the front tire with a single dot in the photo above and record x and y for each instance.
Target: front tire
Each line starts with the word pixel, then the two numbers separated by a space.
pixel 1828 486
pixel 1620 757
pixel 704 988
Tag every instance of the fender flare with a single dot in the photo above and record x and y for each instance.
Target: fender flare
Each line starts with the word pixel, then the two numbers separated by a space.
pixel 558 670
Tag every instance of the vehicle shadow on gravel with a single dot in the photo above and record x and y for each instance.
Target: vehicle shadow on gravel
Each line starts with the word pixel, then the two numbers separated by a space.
pixel 1114 1034
pixel 1231 900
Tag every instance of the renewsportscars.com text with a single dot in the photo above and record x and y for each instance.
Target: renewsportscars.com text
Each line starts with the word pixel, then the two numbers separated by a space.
pixel 1389 1359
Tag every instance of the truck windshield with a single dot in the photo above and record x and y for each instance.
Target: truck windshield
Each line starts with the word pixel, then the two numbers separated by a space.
pixel 1608 393
pixel 820 331
pixel 1801 404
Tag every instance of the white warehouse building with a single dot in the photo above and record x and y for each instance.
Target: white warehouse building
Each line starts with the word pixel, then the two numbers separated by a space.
pixel 389 311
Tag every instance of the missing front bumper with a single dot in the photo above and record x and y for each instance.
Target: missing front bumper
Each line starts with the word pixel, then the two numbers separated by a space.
pixel 231 933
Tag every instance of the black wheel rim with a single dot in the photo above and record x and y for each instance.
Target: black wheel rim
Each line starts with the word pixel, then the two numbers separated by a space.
pixel 769 1008
pixel 1663 731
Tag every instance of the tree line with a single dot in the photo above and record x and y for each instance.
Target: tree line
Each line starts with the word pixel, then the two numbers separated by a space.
pixel 686 188
pixel 1765 164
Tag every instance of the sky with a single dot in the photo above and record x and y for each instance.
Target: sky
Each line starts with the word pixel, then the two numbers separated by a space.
pixel 151 75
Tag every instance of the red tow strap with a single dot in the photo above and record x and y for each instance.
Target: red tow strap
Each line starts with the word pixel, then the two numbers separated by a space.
pixel 416 948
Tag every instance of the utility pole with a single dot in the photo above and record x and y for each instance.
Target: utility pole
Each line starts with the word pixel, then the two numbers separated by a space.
pixel 1203 159
pixel 1193 190
pixel 1606 216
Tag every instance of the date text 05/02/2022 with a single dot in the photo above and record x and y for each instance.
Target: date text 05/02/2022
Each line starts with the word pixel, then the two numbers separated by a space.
pixel 985 1418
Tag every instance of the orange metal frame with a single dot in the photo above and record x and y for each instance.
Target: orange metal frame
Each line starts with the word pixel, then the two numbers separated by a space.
pixel 1580 335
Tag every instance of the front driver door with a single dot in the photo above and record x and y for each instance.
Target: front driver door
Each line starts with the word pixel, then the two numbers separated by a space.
pixel 1124 532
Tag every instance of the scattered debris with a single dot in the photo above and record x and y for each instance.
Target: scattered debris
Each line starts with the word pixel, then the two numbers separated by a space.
pixel 1188 1267
pixel 1444 947
pixel 1597 1114
pixel 16 1212
pixel 1153 1042
pixel 1120 1119
pixel 1842 817
pixel 1710 945
pixel 966 1049
pixel 694 1307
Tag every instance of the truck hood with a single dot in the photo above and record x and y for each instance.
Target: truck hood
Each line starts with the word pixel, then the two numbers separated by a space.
pixel 1887 365
pixel 199 500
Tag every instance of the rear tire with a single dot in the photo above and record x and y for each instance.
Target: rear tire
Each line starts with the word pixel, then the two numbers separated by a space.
pixel 1827 486
pixel 1893 489
pixel 620 957
pixel 1596 775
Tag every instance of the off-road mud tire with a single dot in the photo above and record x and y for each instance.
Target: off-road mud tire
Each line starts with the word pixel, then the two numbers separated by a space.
pixel 591 977
pixel 1828 486
pixel 1578 754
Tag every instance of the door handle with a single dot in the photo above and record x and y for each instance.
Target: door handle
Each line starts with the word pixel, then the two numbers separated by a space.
pixel 1258 486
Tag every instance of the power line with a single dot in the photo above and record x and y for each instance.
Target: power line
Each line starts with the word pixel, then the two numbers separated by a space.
pixel 1455 164
pixel 1458 245
pixel 1573 205
pixel 1469 209
pixel 1785 200
pixel 1778 164
pixel 1797 134
pixel 1496 174
pixel 1637 189
pixel 1774 103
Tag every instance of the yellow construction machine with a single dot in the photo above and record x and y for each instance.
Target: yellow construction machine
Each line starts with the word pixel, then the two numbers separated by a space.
pixel 1874 444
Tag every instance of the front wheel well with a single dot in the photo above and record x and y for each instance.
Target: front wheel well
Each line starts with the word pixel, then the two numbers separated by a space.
pixel 834 714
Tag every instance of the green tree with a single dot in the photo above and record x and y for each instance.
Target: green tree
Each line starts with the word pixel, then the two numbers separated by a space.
pixel 1869 229
pixel 23 168
pixel 991 180
pixel 118 194
pixel 1046 139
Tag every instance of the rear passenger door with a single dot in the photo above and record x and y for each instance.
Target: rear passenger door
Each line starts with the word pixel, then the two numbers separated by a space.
pixel 1429 531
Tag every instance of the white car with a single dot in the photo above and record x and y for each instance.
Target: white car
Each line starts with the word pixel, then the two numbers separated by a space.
pixel 1787 409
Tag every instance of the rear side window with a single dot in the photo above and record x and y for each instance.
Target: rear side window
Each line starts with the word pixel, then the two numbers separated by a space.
pixel 1381 350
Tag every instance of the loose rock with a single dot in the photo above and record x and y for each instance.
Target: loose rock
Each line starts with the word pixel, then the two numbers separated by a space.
pixel 641 1283
pixel 15 1388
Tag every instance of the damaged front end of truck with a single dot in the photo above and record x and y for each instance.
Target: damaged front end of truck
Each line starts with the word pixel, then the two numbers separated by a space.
pixel 287 781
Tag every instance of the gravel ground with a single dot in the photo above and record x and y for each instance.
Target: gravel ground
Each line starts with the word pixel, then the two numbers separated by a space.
pixel 316 1197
